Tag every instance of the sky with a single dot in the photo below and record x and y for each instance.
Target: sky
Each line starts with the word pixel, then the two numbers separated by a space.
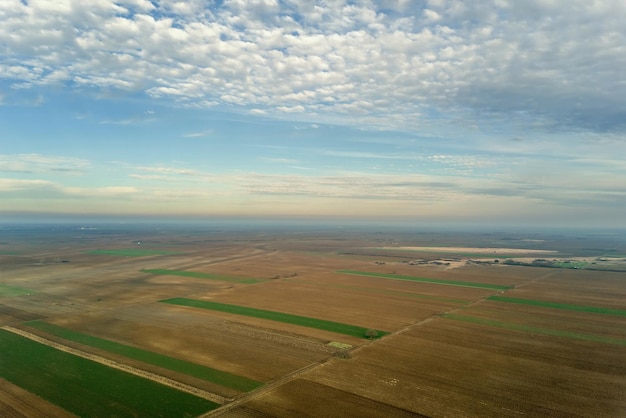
pixel 491 111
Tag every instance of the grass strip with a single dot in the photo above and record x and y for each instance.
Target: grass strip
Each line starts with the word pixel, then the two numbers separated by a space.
pixel 209 374
pixel 536 330
pixel 199 275
pixel 556 305
pixel 304 321
pixel 427 280
pixel 87 388
pixel 11 291
pixel 131 252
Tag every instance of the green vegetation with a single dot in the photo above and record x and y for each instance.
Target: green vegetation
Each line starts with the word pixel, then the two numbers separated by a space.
pixel 199 275
pixel 426 280
pixel 11 291
pixel 556 305
pixel 131 252
pixel 571 264
pixel 536 330
pixel 87 388
pixel 219 377
pixel 304 321
pixel 336 344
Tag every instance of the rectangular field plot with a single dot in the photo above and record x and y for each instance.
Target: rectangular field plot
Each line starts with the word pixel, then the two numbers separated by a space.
pixel 200 275
pixel 337 327
pixel 427 280
pixel 219 377
pixel 557 305
pixel 87 388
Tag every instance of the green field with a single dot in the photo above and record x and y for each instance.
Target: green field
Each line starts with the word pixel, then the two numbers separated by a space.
pixel 218 377
pixel 131 252
pixel 199 275
pixel 556 305
pixel 536 330
pixel 87 388
pixel 11 291
pixel 304 321
pixel 427 280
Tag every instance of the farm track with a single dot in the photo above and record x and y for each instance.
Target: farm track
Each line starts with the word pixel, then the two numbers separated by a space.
pixel 225 408
pixel 120 366
pixel 264 389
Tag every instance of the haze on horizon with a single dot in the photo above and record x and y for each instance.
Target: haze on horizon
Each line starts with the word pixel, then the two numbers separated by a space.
pixel 491 111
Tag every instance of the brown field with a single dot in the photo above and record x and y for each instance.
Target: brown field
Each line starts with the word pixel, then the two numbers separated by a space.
pixel 435 362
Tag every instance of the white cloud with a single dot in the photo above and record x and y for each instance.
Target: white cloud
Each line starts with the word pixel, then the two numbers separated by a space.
pixel 384 63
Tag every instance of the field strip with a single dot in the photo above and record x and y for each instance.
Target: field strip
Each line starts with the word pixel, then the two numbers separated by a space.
pixel 338 327
pixel 383 291
pixel 475 250
pixel 123 367
pixel 556 305
pixel 536 330
pixel 426 280
pixel 209 374
pixel 200 275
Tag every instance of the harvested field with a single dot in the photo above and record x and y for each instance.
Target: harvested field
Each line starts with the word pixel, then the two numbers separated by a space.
pixel 199 275
pixel 427 280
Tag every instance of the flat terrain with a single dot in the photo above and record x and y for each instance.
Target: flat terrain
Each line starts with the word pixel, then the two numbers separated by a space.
pixel 274 321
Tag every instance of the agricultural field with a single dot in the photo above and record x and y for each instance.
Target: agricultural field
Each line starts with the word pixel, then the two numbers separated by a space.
pixel 218 320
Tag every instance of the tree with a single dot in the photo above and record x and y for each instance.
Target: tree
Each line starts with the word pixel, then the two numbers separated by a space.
pixel 371 333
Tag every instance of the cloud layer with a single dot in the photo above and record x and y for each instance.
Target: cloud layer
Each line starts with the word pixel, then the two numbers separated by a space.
pixel 547 65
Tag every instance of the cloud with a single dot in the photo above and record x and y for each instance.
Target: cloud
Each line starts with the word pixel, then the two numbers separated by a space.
pixel 37 163
pixel 554 65
pixel 200 134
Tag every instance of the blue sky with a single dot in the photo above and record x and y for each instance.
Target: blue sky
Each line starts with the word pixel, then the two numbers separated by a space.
pixel 496 111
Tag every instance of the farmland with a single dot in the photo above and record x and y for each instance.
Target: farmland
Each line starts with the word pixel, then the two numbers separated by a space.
pixel 274 322
pixel 86 388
